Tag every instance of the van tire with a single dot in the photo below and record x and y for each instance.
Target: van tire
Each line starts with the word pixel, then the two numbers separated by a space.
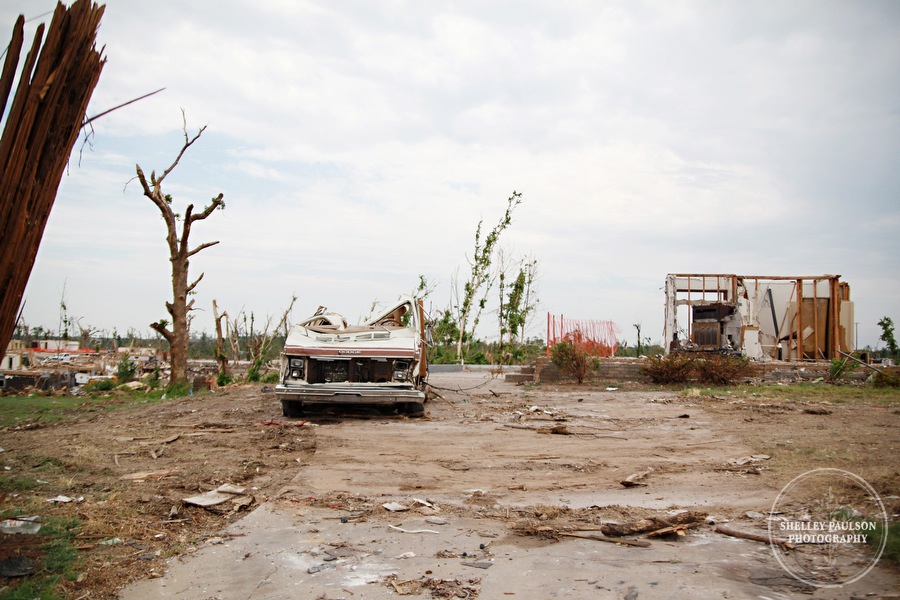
pixel 412 409
pixel 291 409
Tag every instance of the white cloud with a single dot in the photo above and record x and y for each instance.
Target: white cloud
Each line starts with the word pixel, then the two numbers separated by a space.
pixel 358 144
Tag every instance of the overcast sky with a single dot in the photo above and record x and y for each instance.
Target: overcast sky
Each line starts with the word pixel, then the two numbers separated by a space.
pixel 358 144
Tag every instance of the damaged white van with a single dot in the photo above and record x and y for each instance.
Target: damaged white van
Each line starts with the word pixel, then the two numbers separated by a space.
pixel 380 362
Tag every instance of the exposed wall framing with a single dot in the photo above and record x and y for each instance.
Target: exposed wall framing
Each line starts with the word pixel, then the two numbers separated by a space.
pixel 46 114
pixel 761 317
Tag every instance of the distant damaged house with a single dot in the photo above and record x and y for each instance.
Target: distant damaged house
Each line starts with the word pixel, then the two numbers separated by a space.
pixel 760 317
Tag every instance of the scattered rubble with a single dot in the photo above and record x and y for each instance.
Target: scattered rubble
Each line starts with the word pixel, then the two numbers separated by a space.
pixel 513 488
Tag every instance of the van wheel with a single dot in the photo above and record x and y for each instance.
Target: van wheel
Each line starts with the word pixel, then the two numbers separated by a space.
pixel 291 409
pixel 412 409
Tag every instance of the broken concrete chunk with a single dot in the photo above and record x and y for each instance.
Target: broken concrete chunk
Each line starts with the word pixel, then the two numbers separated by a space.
pixel 65 499
pixel 319 568
pixel 479 565
pixel 746 460
pixel 338 552
pixel 394 507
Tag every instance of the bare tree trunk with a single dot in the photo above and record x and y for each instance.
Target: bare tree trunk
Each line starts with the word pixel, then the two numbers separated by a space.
pixel 179 256
pixel 220 342
pixel 39 131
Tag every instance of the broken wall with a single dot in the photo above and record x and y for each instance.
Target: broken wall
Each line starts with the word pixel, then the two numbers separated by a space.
pixel 761 317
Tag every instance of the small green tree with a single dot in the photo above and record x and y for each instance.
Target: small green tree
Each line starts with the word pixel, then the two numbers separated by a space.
pixel 840 368
pixel 126 369
pixel 468 307
pixel 522 300
pixel 887 336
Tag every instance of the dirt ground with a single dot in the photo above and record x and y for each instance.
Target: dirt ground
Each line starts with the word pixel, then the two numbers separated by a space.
pixel 538 465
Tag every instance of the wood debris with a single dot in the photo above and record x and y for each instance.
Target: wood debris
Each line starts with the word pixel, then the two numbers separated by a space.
pixel 603 538
pixel 167 440
pixel 654 524
pixel 220 495
pixel 635 479
pixel 753 536
pixel 144 475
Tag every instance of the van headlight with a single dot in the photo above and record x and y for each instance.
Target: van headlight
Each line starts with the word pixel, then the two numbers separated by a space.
pixel 401 371
pixel 296 368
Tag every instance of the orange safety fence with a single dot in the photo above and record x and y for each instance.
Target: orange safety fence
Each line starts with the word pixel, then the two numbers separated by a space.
pixel 597 337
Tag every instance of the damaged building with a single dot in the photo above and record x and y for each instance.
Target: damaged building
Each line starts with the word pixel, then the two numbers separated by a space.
pixel 760 317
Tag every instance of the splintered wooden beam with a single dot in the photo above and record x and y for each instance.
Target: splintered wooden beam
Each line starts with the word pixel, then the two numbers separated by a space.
pixel 57 81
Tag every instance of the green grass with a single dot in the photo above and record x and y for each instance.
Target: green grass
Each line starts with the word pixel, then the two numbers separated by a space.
pixel 892 548
pixel 35 408
pixel 17 484
pixel 808 392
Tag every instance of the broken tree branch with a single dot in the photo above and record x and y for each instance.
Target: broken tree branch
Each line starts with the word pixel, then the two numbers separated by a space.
pixel 602 538
pixel 401 530
pixel 114 108
pixel 188 142
pixel 749 535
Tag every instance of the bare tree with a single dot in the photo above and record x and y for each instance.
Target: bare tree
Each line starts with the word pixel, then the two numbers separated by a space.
pixel 258 342
pixel 179 255
pixel 220 341
pixel 85 333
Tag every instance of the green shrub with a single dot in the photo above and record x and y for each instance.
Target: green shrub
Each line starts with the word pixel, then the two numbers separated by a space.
pixel 126 369
pixel 572 359
pixel 223 379
pixel 100 385
pixel 253 374
pixel 671 369
pixel 712 370
pixel 271 377
pixel 154 379
pixel 840 368
pixel 174 390
pixel 885 379
pixel 722 370
pixel 477 358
